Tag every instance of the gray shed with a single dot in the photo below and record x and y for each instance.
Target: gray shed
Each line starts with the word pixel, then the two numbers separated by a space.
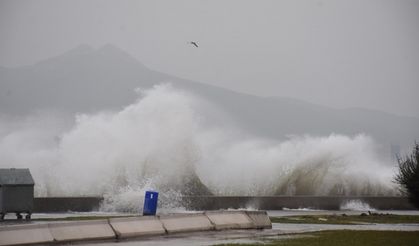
pixel 16 192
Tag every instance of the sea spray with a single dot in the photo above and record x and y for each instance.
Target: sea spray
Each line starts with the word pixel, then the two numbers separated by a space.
pixel 167 141
pixel 333 165
pixel 356 205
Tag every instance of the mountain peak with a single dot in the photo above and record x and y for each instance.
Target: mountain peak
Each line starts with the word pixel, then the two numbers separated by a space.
pixel 81 48
pixel 85 55
pixel 113 51
pixel 109 47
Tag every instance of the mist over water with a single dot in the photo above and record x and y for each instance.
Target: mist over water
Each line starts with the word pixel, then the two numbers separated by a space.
pixel 169 140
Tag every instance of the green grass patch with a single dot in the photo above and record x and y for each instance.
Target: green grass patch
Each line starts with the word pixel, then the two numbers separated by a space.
pixel 344 219
pixel 347 238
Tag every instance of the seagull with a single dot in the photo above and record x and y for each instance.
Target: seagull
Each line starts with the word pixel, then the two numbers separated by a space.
pixel 194 43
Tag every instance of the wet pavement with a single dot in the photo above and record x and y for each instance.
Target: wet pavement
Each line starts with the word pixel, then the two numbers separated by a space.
pixel 203 238
pixel 278 231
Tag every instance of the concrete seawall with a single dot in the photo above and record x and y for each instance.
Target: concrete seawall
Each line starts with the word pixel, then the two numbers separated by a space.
pixel 293 202
pixel 85 204
pixel 64 204
pixel 123 228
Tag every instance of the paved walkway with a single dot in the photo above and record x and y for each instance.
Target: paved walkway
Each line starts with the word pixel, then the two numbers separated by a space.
pixel 278 231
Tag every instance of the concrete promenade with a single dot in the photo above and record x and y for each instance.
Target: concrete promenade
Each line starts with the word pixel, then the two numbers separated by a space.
pixel 123 228
pixel 278 231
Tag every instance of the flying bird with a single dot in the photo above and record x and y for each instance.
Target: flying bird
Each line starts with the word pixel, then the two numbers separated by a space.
pixel 194 43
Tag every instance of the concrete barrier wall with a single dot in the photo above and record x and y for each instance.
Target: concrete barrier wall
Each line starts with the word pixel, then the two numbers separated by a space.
pixel 137 226
pixel 182 223
pixel 260 219
pixel 67 232
pixel 81 231
pixel 230 220
pixel 25 234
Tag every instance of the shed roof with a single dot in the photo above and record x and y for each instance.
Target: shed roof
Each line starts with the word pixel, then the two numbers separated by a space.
pixel 15 176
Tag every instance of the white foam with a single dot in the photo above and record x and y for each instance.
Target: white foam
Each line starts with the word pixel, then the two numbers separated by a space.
pixel 356 205
pixel 165 137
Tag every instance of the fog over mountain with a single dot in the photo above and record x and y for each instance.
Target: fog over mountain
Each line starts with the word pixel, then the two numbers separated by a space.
pixel 85 80
pixel 233 98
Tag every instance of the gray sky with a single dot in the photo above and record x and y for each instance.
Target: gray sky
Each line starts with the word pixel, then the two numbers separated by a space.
pixel 336 53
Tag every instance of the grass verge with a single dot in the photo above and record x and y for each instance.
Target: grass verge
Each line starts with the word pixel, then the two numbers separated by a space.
pixel 346 238
pixel 344 219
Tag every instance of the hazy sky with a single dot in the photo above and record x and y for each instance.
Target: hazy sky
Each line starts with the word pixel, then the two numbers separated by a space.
pixel 336 53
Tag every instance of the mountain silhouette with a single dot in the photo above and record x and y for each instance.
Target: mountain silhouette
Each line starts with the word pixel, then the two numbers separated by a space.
pixel 85 79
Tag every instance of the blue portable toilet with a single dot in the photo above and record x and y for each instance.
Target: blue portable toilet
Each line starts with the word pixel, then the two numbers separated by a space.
pixel 150 203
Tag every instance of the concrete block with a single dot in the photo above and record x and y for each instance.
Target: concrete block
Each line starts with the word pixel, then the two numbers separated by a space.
pixel 260 219
pixel 25 234
pixel 81 230
pixel 137 226
pixel 230 220
pixel 186 223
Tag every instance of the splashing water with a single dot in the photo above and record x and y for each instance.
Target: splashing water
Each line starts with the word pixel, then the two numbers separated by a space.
pixel 165 141
pixel 356 205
